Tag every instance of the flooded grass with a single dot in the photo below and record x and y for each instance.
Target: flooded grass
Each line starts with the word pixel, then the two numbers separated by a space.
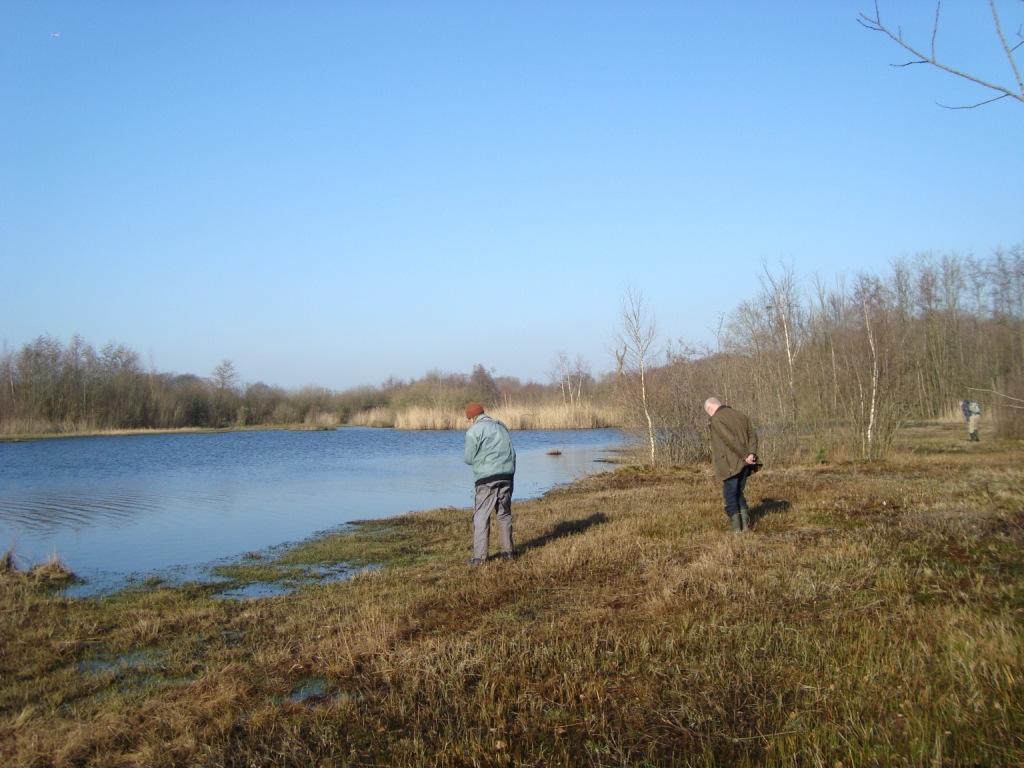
pixel 256 590
pixel 311 690
pixel 274 572
pixel 283 570
pixel 142 659
pixel 873 617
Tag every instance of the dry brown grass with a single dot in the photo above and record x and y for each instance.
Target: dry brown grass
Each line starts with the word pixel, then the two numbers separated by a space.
pixel 872 618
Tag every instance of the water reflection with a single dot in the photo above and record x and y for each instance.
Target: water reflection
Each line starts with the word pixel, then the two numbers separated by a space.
pixel 41 511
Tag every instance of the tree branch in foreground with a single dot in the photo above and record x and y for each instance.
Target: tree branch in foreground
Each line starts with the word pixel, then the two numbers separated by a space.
pixel 875 24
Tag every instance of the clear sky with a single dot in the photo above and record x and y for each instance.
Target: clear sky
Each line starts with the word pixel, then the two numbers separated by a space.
pixel 337 192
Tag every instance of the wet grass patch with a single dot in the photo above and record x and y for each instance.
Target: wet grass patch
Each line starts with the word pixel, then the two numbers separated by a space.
pixel 395 542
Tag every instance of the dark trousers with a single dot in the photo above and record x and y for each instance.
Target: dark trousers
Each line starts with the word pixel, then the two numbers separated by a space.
pixel 732 491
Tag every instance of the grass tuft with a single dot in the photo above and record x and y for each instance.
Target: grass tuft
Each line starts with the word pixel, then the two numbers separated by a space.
pixel 52 570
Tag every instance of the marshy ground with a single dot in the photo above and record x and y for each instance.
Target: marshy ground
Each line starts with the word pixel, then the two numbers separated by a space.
pixel 873 617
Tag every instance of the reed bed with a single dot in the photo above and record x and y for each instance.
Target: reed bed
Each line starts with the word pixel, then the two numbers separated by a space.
pixel 373 417
pixel 558 416
pixel 322 420
pixel 516 417
pixel 873 617
pixel 419 418
pixel 19 427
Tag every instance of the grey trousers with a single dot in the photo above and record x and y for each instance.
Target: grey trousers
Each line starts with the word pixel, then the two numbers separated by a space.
pixel 495 496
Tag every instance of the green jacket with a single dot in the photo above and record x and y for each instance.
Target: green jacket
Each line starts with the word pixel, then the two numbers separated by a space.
pixel 489 450
pixel 733 438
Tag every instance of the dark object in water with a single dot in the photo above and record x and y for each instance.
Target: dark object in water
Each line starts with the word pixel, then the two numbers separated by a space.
pixel 554 452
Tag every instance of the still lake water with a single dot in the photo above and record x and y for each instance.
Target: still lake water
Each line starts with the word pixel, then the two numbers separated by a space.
pixel 114 507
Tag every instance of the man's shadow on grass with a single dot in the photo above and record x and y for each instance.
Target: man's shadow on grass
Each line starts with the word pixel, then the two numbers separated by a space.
pixel 565 528
pixel 768 507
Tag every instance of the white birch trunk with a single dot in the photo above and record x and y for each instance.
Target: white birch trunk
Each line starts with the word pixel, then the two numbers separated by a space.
pixel 647 413
pixel 874 384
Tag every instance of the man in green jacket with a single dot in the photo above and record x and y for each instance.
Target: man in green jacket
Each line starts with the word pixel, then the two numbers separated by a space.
pixel 733 456
pixel 489 450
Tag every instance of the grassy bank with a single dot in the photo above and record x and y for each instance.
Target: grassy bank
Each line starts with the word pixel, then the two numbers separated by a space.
pixel 874 617
pixel 548 416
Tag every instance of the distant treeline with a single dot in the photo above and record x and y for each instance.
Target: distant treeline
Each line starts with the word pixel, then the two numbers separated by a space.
pixel 837 368
pixel 48 386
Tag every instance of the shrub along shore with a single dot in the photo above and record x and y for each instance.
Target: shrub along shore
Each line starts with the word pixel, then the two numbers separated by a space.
pixel 874 616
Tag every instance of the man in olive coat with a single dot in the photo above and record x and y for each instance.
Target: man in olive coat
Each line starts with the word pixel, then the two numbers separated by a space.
pixel 733 456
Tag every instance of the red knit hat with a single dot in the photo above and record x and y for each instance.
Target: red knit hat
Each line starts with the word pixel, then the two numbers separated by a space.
pixel 473 410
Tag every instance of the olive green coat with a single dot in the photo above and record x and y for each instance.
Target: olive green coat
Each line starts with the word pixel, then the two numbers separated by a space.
pixel 733 438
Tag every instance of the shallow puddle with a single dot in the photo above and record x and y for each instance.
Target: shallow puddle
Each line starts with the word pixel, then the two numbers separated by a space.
pixel 310 690
pixel 105 583
pixel 256 590
pixel 330 574
pixel 133 661
pixel 312 574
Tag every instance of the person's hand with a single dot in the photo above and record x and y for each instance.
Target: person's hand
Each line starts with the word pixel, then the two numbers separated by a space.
pixel 751 458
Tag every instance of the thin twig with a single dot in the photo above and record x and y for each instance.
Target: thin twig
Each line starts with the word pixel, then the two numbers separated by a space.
pixel 972 106
pixel 765 736
pixel 1008 397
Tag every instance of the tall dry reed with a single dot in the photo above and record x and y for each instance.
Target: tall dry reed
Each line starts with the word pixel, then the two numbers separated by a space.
pixel 373 417
pixel 518 417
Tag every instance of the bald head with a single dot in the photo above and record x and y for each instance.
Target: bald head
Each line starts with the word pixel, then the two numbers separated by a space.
pixel 711 405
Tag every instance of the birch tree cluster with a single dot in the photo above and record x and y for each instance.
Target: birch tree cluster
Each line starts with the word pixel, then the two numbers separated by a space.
pixel 834 369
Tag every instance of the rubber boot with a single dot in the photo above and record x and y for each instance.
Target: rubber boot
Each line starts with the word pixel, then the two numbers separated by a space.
pixel 745 519
pixel 737 522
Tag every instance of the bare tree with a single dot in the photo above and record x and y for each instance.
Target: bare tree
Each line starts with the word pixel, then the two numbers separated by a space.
pixel 560 375
pixel 226 394
pixel 636 338
pixel 875 24
pixel 782 300
pixel 225 377
pixel 570 378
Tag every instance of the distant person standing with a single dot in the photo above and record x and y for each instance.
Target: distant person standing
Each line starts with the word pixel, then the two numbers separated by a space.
pixel 733 456
pixel 489 451
pixel 971 410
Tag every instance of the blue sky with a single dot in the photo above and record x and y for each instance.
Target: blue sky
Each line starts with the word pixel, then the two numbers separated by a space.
pixel 337 192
